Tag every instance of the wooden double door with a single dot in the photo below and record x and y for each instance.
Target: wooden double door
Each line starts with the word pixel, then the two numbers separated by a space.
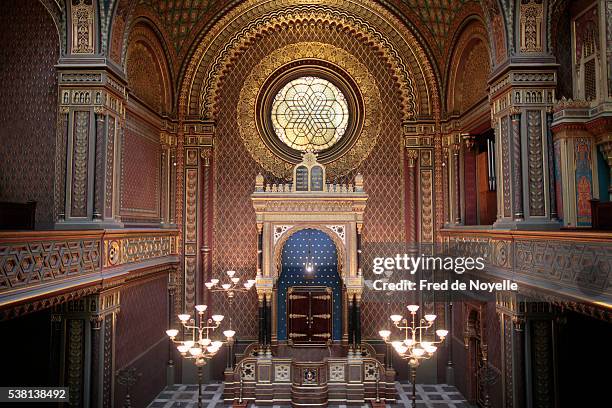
pixel 309 315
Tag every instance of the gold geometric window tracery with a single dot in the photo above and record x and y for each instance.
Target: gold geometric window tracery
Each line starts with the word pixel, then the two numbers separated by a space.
pixel 310 114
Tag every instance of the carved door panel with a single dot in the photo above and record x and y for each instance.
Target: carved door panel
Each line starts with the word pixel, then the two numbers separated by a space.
pixel 297 315
pixel 320 316
pixel 309 317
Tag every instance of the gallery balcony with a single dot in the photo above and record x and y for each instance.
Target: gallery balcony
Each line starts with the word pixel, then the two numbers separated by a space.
pixel 573 264
pixel 39 269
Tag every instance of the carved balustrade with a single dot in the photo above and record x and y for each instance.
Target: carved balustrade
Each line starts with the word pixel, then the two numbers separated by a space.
pixel 559 266
pixel 42 268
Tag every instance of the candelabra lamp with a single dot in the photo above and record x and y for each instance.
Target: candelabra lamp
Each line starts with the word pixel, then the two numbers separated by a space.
pixel 230 289
pixel 197 344
pixel 417 344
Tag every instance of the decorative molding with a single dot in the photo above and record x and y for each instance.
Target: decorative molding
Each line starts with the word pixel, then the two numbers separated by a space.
pixel 340 231
pixel 506 177
pixel 337 372
pixel 34 262
pixel 279 231
pixel 531 20
pixel 570 266
pixel 75 374
pixel 535 163
pixel 427 223
pixel 138 248
pixel 404 53
pixel 282 372
pixel 80 159
pixel 82 27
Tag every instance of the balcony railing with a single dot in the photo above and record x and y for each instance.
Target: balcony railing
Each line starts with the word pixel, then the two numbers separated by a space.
pixel 39 264
pixel 573 264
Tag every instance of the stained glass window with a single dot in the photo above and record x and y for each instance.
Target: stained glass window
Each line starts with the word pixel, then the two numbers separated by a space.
pixel 310 114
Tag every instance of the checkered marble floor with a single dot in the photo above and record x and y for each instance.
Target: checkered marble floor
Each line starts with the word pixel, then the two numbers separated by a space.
pixel 428 396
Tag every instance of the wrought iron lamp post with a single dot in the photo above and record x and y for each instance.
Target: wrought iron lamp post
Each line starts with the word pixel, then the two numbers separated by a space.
pixel 197 344
pixel 230 289
pixel 417 344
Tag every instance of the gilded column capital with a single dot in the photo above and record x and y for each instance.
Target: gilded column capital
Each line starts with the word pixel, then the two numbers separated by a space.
pixel 515 112
pixel 413 154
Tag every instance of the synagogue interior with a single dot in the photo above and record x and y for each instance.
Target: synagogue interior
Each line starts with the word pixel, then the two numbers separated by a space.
pixel 306 203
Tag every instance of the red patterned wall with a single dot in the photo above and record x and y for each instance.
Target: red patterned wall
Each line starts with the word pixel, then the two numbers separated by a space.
pixel 234 220
pixel 140 339
pixel 140 176
pixel 28 105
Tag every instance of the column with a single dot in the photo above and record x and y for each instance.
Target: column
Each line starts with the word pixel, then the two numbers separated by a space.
pixel 168 140
pixel 207 214
pixel 576 167
pixel 197 239
pixel 552 196
pixel 411 192
pixel 351 320
pixel 92 116
pixel 512 351
pixel 520 102
pixel 268 311
pixel 88 348
pixel 516 166
pixel 457 182
pixel 261 320
pixel 357 312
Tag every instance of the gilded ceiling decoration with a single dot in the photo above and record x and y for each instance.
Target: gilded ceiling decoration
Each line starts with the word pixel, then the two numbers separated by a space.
pixel 249 95
pixel 179 17
pixel 409 62
pixel 147 69
pixel 144 79
pixel 438 16
pixel 469 70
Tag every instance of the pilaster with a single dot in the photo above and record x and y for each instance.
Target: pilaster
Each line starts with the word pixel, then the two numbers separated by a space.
pixel 419 141
pixel 168 140
pixel 88 352
pixel 510 312
pixel 521 97
pixel 92 118
pixel 198 143
pixel 577 136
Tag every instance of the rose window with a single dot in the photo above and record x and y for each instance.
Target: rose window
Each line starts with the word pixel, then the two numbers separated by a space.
pixel 310 114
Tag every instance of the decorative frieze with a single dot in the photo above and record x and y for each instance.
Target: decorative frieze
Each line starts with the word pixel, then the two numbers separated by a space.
pixel 535 163
pixel 505 168
pixel 39 261
pixel 531 19
pixel 427 225
pixel 83 27
pixel 549 262
pixel 80 157
pixel 138 248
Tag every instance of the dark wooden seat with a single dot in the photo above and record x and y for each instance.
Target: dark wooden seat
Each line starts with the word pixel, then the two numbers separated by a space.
pixel 601 214
pixel 17 216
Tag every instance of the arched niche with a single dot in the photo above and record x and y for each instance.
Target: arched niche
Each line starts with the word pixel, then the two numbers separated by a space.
pixel 324 279
pixel 469 68
pixel 147 68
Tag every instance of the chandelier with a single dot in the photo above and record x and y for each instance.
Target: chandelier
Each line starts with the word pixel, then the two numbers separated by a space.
pixel 197 344
pixel 230 289
pixel 417 344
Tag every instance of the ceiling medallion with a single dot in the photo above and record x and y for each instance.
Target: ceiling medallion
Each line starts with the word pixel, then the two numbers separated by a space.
pixel 339 117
